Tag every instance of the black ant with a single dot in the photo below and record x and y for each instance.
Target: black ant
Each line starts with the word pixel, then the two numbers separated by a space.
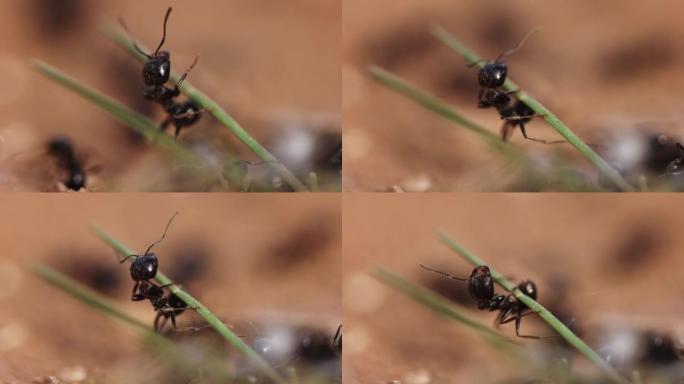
pixel 62 149
pixel 156 72
pixel 143 269
pixel 676 166
pixel 481 289
pixel 493 74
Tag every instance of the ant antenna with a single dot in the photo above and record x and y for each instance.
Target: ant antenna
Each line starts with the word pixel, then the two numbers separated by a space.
pixel 442 273
pixel 337 335
pixel 188 71
pixel 166 18
pixel 135 45
pixel 164 235
pixel 520 44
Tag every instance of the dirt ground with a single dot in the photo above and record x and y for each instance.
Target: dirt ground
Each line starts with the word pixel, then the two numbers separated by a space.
pixel 267 260
pixel 273 65
pixel 607 69
pixel 619 260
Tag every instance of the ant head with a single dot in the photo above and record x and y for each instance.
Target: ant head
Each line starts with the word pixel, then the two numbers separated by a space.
pixel 481 284
pixel 528 288
pixel 493 74
pixel 676 166
pixel 157 69
pixel 144 267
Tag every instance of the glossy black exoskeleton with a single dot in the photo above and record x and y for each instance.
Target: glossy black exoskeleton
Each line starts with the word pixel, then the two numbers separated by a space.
pixel 156 73
pixel 169 309
pixel 144 268
pixel 62 149
pixel 493 74
pixel 181 115
pixel 481 289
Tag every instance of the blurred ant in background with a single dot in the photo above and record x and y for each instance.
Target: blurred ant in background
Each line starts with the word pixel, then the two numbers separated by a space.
pixel 156 73
pixel 676 166
pixel 143 269
pixel 481 289
pixel 63 151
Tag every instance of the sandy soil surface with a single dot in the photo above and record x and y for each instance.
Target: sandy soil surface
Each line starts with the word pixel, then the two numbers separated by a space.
pixel 606 69
pixel 273 65
pixel 619 260
pixel 263 259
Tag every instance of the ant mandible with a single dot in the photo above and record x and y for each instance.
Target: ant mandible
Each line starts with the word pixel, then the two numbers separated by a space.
pixel 481 289
pixel 63 150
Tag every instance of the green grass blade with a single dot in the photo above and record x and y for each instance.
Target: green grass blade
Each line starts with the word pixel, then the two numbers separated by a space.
pixel 443 109
pixel 471 57
pixel 544 313
pixel 201 310
pixel 139 123
pixel 438 304
pixel 86 295
pixel 160 344
pixel 212 107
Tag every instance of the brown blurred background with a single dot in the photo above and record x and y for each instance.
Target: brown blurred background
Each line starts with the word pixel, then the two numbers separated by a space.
pixel 256 261
pixel 273 65
pixel 604 265
pixel 610 70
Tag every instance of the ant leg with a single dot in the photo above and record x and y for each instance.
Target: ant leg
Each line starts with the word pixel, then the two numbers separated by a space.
pixel 126 258
pixel 474 63
pixel 518 318
pixel 182 78
pixel 136 296
pixel 172 315
pixel 156 321
pixel 524 133
pixel 518 118
pixel 165 124
pixel 506 131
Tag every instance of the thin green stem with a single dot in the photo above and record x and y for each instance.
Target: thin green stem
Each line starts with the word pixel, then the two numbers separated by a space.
pixel 175 354
pixel 544 313
pixel 438 304
pixel 139 123
pixel 472 58
pixel 142 125
pixel 201 310
pixel 313 182
pixel 212 107
pixel 443 109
